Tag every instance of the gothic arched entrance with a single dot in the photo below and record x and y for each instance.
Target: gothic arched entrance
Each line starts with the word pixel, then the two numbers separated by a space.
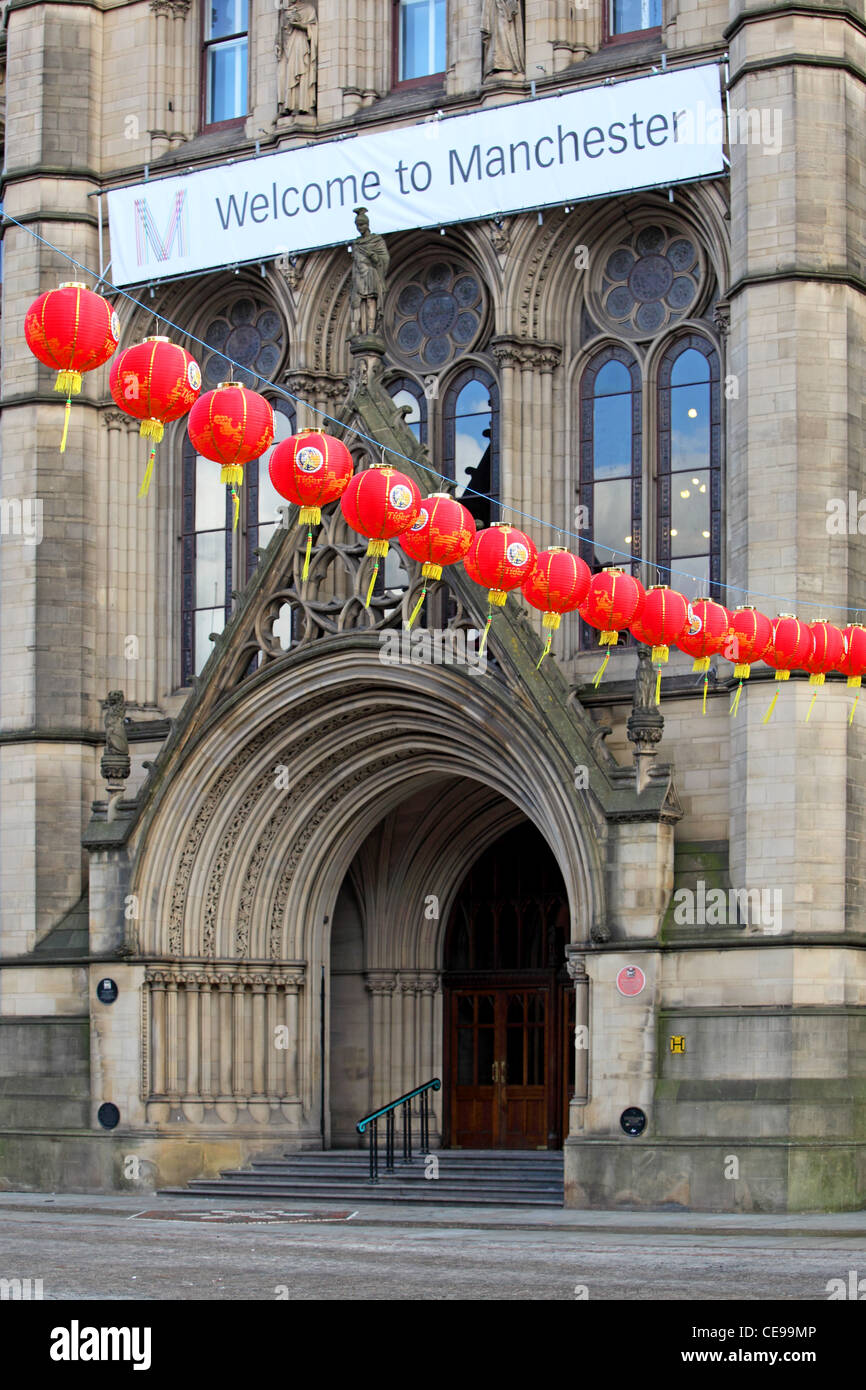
pixel 508 1024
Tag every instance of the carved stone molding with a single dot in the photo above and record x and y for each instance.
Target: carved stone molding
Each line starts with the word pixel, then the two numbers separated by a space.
pixel 381 984
pixel 722 317
pixel 291 268
pixel 576 967
pixel 115 419
pixel 526 352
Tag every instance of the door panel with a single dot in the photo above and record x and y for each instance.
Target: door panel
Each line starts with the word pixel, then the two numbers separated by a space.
pixel 500 1060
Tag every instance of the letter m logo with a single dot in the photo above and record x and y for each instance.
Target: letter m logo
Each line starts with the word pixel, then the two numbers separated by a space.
pixel 149 242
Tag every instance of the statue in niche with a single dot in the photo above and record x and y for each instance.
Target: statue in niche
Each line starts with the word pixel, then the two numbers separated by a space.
pixel 297 50
pixel 114 764
pixel 502 38
pixel 370 260
pixel 644 681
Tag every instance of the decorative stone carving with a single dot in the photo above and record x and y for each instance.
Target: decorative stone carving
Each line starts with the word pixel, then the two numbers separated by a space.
pixel 576 967
pixel 292 270
pixel 645 723
pixel 502 38
pixel 599 932
pixel 297 52
pixel 500 235
pixel 722 317
pixel 370 261
pixel 526 352
pixel 114 764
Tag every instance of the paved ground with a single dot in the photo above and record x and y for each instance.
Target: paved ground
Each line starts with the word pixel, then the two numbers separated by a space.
pixel 150 1247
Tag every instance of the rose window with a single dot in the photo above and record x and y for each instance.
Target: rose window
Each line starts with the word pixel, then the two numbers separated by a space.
pixel 251 334
pixel 650 282
pixel 435 316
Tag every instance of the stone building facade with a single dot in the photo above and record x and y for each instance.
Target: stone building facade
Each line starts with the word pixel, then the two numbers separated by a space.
pixel 290 890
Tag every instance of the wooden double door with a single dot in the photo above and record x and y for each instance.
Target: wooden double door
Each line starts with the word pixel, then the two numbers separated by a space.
pixel 509 1065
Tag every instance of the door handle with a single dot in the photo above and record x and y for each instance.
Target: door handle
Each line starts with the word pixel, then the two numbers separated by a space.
pixel 496 1071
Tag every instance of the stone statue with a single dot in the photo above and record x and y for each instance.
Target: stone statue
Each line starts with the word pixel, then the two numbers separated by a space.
pixel 370 260
pixel 644 681
pixel 297 49
pixel 114 765
pixel 502 37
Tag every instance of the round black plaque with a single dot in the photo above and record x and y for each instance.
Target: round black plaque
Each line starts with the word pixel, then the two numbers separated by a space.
pixel 108 1115
pixel 633 1121
pixel 106 991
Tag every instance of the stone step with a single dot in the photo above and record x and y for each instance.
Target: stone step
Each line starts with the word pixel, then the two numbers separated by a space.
pixel 478 1177
pixel 386 1190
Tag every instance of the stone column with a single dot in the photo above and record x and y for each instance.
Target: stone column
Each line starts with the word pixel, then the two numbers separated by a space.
pixel 172 1037
pixel 226 1108
pixel 258 1100
pixel 193 1108
pixel 293 1079
pixel 381 987
pixel 577 972
pixel 239 1086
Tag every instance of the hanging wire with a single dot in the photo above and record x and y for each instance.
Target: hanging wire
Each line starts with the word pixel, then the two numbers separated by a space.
pixel 384 448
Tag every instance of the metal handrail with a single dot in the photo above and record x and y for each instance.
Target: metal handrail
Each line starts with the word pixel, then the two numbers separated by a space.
pixel 388 1111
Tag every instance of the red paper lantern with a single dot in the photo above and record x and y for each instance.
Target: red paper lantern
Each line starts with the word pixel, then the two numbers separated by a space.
pixel 380 503
pixel 749 637
pixel 310 469
pixel 852 662
pixel 499 559
pixel 557 584
pixel 73 330
pixel 155 382
pixel 825 651
pixel 661 621
pixel 613 601
pixel 441 535
pixel 705 633
pixel 231 426
pixel 790 643
pixel 663 617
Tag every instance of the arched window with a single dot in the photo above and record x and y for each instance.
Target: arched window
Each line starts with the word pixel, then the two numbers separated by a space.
pixel 404 390
pixel 470 446
pixel 211 552
pixel 689 496
pixel 610 457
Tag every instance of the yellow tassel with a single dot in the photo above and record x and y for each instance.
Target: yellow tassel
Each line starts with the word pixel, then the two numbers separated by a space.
pixel 372 583
pixel 377 548
pixel 430 570
pixel 66 415
pixel 816 678
pixel 309 516
pixel 741 671
pixel 660 654
pixel 546 648
pixel 783 675
pixel 704 701
pixel 551 620
pixel 811 707
pixel 600 672
pixel 735 703
pixel 306 569
pixel 497 597
pixel 853 707
pixel 766 718
pixel 231 473
pixel 608 639
pixel 148 472
pixel 658 685
pixel 236 505
pixel 854 682
pixel 68 382
pixel 417 609
pixel 701 663
pixel 152 429
pixel 483 643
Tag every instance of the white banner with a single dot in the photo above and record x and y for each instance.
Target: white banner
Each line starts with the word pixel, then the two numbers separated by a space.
pixel 639 134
